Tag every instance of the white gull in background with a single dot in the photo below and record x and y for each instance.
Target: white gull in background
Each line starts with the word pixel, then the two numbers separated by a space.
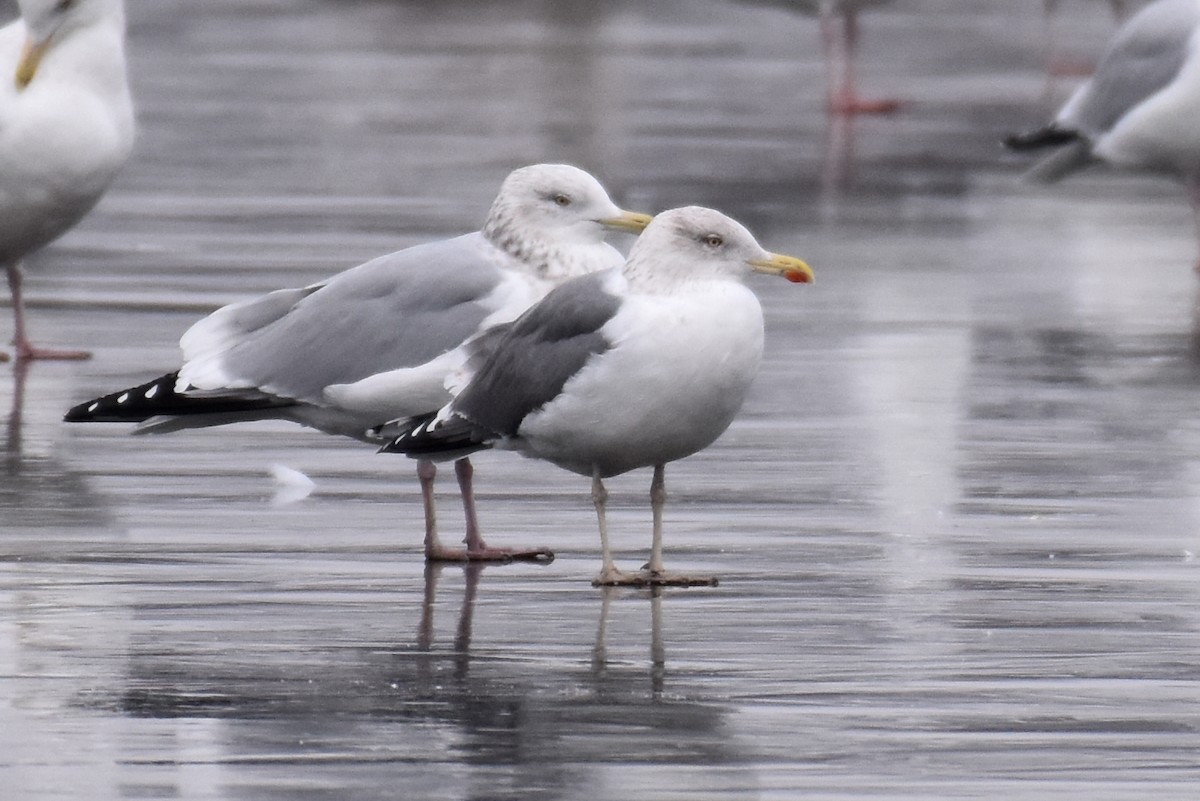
pixel 379 341
pixel 66 128
pixel 1052 9
pixel 631 367
pixel 1141 108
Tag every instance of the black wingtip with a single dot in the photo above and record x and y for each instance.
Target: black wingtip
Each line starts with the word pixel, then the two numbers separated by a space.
pixel 1050 136
pixel 452 438
pixel 131 405
pixel 158 398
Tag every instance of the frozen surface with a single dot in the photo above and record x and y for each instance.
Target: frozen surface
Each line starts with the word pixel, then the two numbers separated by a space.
pixel 956 523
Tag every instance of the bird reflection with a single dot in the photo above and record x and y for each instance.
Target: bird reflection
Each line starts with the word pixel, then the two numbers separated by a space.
pixel 837 170
pixel 518 718
pixel 12 439
pixel 462 636
pixel 658 656
pixel 600 663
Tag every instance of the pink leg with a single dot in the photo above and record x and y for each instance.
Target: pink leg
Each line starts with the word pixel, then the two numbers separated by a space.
pixel 426 473
pixel 25 348
pixel 465 472
pixel 845 100
pixel 477 550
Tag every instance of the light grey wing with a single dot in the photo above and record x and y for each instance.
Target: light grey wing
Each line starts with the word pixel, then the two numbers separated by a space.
pixel 530 363
pixel 396 311
pixel 1145 56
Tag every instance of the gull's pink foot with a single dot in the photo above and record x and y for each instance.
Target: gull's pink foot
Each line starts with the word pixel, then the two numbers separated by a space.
pixel 27 352
pixel 486 553
pixel 848 105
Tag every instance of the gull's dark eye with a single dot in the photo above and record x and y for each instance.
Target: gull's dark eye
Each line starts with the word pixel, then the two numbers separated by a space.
pixel 562 200
pixel 713 241
pixel 64 5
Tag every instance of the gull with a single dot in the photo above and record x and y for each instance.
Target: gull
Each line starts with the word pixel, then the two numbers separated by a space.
pixel 66 128
pixel 1050 9
pixel 1140 110
pixel 626 368
pixel 380 340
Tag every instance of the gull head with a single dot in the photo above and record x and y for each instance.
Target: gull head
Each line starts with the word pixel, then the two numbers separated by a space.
pixel 549 215
pixel 695 243
pixel 50 21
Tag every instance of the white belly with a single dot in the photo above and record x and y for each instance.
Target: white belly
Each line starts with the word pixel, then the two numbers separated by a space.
pixel 1163 132
pixel 676 377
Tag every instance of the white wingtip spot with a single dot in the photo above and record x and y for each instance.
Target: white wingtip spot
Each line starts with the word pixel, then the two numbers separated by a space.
pixel 124 396
pixel 150 393
pixel 94 406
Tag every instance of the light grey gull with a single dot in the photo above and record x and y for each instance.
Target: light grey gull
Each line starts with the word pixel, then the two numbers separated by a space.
pixel 379 341
pixel 627 368
pixel 66 128
pixel 1140 110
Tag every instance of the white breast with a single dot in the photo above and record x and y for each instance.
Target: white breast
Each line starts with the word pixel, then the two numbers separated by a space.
pixel 674 379
pixel 1163 132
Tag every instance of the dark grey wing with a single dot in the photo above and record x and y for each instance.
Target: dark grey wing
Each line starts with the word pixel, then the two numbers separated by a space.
pixel 396 311
pixel 538 354
pixel 526 364
pixel 1145 56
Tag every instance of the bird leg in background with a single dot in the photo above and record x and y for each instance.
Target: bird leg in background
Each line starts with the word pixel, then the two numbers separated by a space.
pixel 465 473
pixel 24 348
pixel 840 53
pixel 426 473
pixel 477 550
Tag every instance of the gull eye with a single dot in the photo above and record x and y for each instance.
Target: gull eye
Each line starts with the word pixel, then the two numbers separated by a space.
pixel 64 5
pixel 713 241
pixel 561 200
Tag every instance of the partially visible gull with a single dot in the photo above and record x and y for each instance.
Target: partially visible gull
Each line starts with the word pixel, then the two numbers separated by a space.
pixel 1051 9
pixel 66 128
pixel 631 367
pixel 1141 108
pixel 378 341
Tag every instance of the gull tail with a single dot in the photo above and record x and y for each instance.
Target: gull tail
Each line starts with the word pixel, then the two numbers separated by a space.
pixel 429 437
pixel 159 398
pixel 1074 152
pixel 1050 136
